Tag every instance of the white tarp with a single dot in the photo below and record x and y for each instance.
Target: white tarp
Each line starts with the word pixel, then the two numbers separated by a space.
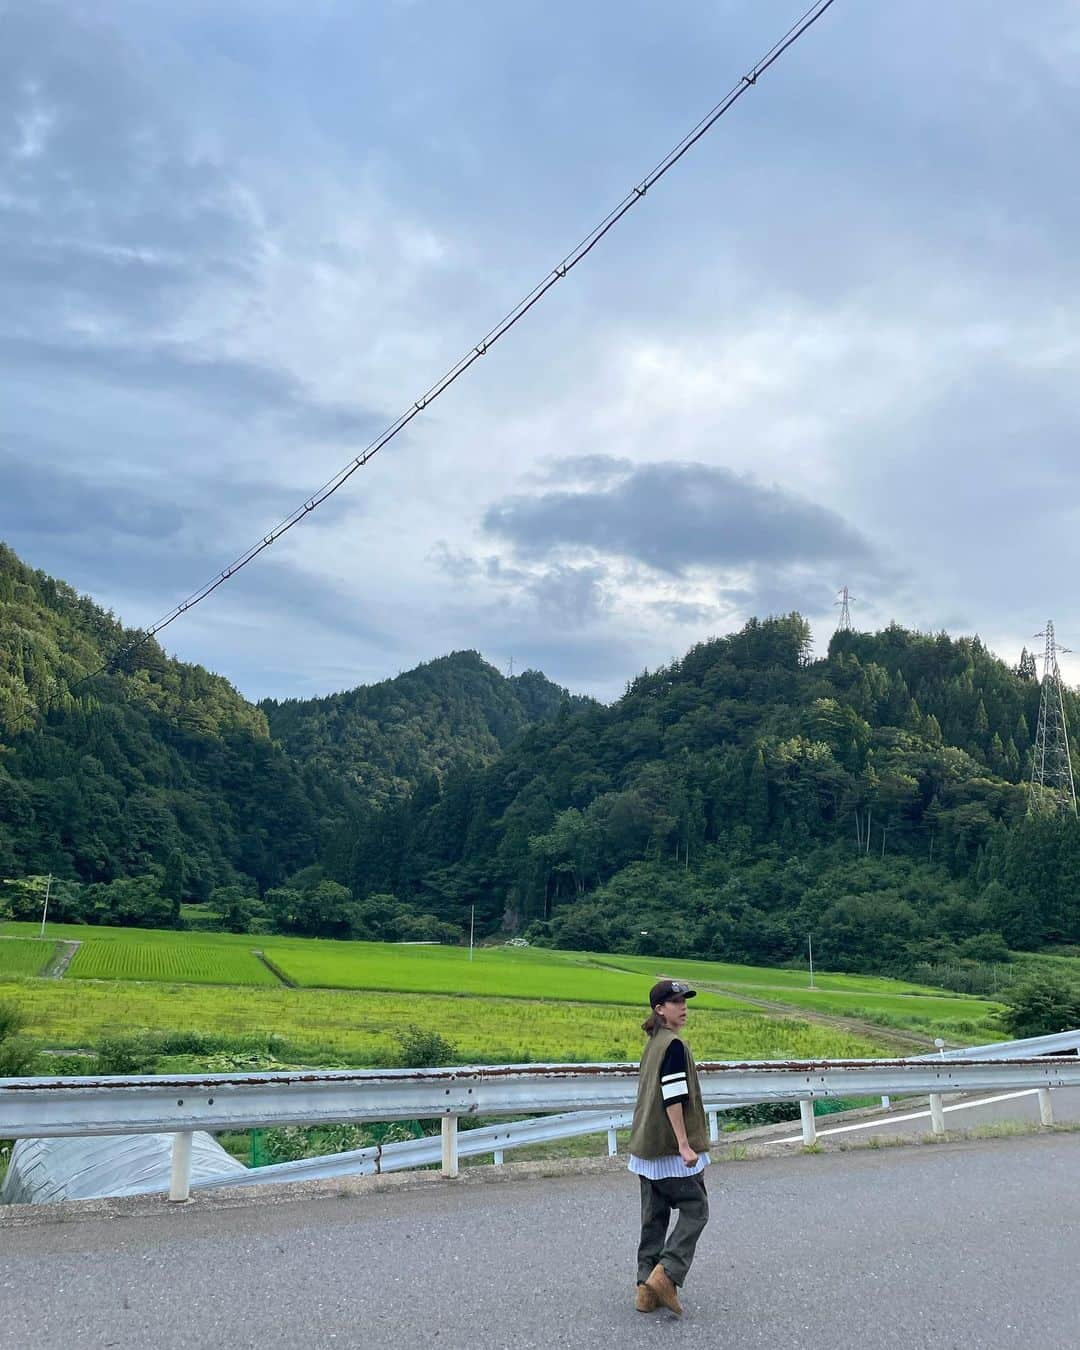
pixel 42 1171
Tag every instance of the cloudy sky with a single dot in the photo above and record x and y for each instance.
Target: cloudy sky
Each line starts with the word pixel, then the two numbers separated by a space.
pixel 838 344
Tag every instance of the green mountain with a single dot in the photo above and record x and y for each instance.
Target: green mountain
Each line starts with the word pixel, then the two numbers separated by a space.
pixel 159 770
pixel 163 772
pixel 387 738
pixel 747 796
pixel 729 805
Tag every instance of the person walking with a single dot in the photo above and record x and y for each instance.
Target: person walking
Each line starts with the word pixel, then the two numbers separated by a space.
pixel 668 1142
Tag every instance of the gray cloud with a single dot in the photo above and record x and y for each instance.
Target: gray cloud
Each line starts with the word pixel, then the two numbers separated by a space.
pixel 177 370
pixel 570 596
pixel 586 469
pixel 684 612
pixel 672 516
pixel 40 500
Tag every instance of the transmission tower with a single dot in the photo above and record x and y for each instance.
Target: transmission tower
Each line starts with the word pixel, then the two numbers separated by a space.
pixel 844 601
pixel 1052 787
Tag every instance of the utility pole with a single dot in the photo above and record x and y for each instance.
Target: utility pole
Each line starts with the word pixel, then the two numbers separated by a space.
pixel 810 946
pixel 1052 788
pixel 45 907
pixel 844 600
pixel 472 928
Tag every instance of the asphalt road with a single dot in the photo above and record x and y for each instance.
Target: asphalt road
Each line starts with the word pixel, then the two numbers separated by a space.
pixel 964 1244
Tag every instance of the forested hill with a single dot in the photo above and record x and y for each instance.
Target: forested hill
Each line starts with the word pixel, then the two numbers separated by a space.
pixel 160 772
pixel 386 738
pixel 747 795
pixel 162 782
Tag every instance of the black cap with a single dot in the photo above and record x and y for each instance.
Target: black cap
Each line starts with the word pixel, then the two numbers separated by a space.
pixel 666 990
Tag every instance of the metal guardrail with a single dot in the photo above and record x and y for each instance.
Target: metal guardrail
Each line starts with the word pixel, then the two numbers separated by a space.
pixel 1060 1043
pixel 66 1107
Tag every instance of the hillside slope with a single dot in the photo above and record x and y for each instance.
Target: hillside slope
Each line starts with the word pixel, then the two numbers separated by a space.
pixel 161 770
pixel 747 796
pixel 387 738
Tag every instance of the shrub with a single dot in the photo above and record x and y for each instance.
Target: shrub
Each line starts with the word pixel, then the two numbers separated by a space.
pixel 17 1056
pixel 424 1049
pixel 126 1054
pixel 1041 1005
pixel 11 1020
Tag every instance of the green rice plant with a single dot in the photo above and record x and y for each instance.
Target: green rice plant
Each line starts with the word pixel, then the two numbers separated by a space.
pixel 493 972
pixel 188 962
pixel 25 956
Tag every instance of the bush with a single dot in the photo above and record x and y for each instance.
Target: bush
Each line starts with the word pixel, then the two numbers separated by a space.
pixel 11 1020
pixel 1041 1005
pixel 17 1056
pixel 423 1049
pixel 126 1054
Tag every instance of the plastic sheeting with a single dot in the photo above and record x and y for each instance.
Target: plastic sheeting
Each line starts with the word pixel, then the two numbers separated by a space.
pixel 43 1171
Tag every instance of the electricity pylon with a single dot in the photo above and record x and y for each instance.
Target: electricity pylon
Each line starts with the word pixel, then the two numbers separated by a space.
pixel 844 601
pixel 1052 787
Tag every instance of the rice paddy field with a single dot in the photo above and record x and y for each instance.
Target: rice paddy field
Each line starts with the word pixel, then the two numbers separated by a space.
pixel 506 1005
pixel 326 1026
pixel 25 956
pixel 172 962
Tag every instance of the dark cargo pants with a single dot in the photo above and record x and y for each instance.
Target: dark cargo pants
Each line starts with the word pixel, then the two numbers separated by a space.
pixel 658 1199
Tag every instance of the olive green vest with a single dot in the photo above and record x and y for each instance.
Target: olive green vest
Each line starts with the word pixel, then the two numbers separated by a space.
pixel 651 1135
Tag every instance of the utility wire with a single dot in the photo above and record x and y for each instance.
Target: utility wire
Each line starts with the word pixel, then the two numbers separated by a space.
pixel 557 274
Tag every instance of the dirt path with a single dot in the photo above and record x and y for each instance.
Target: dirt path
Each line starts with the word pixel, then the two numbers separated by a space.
pixel 897 1037
pixel 57 967
pixel 900 1037
pixel 277 974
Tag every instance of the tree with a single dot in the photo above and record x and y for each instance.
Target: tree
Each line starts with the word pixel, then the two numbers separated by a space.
pixel 235 908
pixel 1041 1005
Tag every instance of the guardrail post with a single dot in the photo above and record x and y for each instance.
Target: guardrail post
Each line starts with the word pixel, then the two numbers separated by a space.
pixel 180 1178
pixel 886 1103
pixel 612 1143
pixel 449 1146
pixel 1046 1107
pixel 497 1157
pixel 714 1127
pixel 937 1114
pixel 809 1129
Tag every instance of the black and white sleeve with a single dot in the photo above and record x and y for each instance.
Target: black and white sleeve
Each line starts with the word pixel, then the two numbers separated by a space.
pixel 673 1084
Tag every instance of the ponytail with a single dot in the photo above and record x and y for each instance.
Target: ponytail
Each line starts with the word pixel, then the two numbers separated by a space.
pixel 652 1023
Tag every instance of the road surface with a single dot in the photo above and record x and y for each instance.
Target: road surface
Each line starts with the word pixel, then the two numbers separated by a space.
pixel 965 1244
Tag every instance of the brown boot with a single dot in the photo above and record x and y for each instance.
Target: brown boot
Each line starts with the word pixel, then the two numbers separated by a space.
pixel 645 1300
pixel 662 1285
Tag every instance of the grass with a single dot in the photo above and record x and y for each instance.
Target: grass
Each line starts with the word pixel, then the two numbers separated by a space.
pixel 195 964
pixel 869 998
pixel 961 1017
pixel 728 974
pixel 353 1027
pixel 25 956
pixel 166 957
